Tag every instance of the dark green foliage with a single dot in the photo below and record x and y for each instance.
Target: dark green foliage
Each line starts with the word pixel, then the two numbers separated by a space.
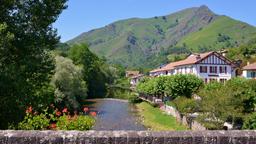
pixel 26 36
pixel 96 72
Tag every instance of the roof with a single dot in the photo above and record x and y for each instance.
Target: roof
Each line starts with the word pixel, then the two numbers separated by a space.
pixel 132 72
pixel 192 59
pixel 250 67
pixel 137 76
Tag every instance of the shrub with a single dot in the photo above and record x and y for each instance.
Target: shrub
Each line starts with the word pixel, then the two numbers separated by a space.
pixel 75 123
pixel 250 122
pixel 186 105
pixel 34 122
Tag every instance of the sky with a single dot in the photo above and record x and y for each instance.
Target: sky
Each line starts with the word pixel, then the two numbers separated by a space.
pixel 84 15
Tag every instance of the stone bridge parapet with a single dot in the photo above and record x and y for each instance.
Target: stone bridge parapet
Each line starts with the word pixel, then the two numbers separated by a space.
pixel 127 137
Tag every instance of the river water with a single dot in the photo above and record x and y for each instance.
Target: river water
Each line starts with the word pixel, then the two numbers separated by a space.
pixel 113 114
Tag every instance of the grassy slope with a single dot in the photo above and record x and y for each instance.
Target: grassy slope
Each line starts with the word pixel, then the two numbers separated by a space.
pixel 112 41
pixel 156 119
pixel 239 31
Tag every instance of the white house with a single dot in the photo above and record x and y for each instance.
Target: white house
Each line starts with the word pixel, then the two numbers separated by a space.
pixel 249 71
pixel 210 66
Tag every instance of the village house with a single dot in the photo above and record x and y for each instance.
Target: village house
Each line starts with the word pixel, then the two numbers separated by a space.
pixel 210 66
pixel 130 74
pixel 249 71
pixel 135 79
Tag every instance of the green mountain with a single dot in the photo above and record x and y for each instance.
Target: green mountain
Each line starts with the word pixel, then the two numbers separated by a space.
pixel 146 42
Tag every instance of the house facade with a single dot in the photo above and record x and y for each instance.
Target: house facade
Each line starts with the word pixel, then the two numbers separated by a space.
pixel 210 66
pixel 249 71
pixel 135 79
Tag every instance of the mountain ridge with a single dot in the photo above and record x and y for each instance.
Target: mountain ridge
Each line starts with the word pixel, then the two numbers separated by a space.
pixel 146 42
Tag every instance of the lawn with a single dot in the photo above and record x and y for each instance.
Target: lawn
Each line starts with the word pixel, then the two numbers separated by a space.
pixel 156 120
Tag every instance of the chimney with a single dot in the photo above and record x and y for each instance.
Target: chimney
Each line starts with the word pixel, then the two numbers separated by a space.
pixel 248 63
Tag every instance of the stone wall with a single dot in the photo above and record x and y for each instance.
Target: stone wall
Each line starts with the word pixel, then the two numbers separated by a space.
pixel 127 137
pixel 194 125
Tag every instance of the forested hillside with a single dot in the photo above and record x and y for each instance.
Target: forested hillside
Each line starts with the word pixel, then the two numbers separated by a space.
pixel 148 42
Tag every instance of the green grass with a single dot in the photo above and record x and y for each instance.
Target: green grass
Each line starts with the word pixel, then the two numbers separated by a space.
pixel 155 119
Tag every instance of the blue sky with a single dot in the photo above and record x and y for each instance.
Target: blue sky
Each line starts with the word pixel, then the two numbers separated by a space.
pixel 84 15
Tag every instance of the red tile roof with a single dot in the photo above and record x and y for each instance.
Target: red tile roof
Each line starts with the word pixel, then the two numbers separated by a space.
pixel 250 67
pixel 192 59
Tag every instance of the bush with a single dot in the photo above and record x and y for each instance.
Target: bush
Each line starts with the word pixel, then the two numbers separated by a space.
pixel 34 122
pixel 250 122
pixel 75 123
pixel 186 105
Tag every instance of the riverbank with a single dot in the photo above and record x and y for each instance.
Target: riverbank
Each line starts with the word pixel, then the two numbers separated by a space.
pixel 155 119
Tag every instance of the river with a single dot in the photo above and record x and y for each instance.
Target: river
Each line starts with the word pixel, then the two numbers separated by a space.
pixel 114 114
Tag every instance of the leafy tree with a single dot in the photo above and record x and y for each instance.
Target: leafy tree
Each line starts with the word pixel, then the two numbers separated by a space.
pixel 70 88
pixel 183 85
pixel 230 102
pixel 95 71
pixel 26 36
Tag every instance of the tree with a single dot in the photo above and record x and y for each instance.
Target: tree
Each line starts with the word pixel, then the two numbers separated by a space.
pixel 70 88
pixel 95 71
pixel 182 85
pixel 26 66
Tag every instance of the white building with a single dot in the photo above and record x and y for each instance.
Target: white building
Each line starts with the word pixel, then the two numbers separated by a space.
pixel 249 71
pixel 210 66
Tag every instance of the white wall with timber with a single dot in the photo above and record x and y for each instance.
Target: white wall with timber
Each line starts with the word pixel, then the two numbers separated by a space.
pixel 212 68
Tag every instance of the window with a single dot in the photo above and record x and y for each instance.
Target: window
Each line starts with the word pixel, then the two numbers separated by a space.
pixel 203 69
pixel 213 69
pixel 223 80
pixel 223 69
pixel 253 74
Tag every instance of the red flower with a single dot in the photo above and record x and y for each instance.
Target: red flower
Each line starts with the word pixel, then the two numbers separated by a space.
pixel 29 110
pixel 53 126
pixel 65 110
pixel 93 114
pixel 58 113
pixel 85 109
